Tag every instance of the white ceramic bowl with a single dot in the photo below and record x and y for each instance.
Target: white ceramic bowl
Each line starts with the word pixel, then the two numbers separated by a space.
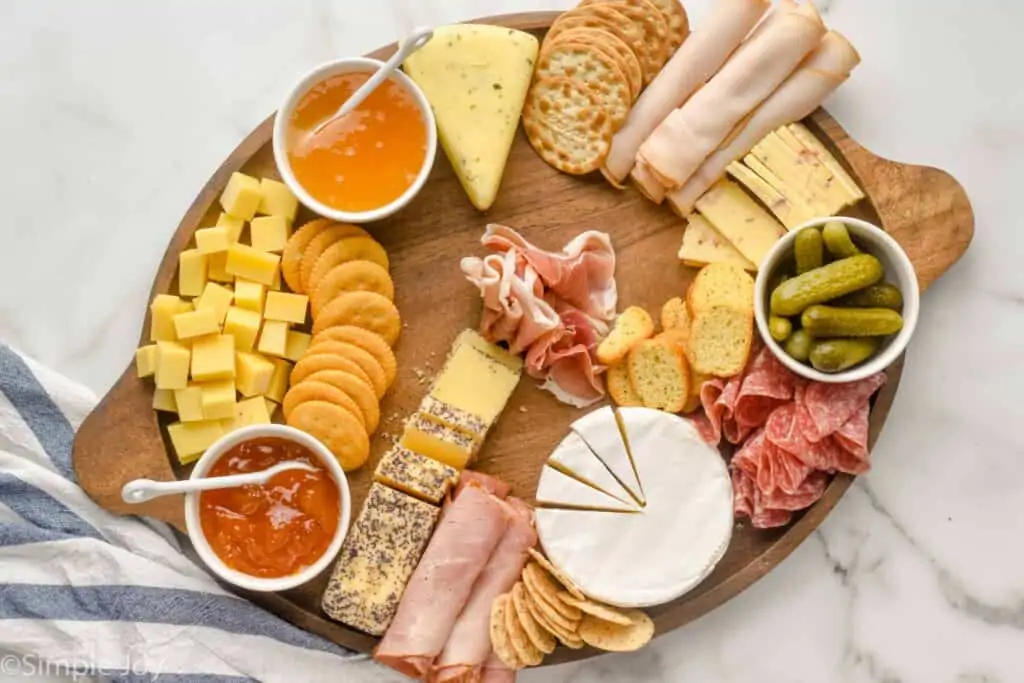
pixel 195 528
pixel 350 65
pixel 898 271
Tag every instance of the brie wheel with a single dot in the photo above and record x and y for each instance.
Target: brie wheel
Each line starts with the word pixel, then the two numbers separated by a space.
pixel 573 456
pixel 600 431
pixel 562 491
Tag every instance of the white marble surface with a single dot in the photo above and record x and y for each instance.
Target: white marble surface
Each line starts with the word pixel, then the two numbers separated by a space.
pixel 114 113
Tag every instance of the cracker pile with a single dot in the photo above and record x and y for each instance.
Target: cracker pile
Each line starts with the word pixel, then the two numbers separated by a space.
pixel 593 64
pixel 545 608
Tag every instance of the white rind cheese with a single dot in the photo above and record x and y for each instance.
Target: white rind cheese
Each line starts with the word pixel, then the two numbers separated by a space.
pixel 575 457
pixel 600 431
pixel 559 490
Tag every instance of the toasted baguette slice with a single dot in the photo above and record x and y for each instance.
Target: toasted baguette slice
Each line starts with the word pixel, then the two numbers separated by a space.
pixel 660 375
pixel 675 315
pixel 720 340
pixel 620 388
pixel 720 284
pixel 631 327
pixel 676 338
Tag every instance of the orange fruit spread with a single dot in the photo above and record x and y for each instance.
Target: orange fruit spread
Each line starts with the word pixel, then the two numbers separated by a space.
pixel 364 160
pixel 276 529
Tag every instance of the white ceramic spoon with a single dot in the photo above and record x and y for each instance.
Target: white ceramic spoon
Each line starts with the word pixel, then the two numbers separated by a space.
pixel 413 42
pixel 141 490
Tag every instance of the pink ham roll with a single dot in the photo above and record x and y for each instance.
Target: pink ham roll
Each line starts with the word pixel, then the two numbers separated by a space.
pixel 441 585
pixel 495 671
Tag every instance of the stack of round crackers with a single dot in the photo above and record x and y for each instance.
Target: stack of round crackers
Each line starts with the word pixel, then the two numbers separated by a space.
pixel 593 64
pixel 337 385
pixel 545 608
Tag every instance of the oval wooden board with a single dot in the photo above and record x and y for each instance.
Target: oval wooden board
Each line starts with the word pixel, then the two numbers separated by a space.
pixel 925 209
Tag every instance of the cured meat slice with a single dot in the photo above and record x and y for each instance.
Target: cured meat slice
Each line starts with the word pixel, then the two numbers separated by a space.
pixel 767 383
pixel 495 671
pixel 829 406
pixel 495 486
pixel 565 359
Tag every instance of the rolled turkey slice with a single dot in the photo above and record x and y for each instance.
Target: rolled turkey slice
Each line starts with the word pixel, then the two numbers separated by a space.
pixel 690 134
pixel 803 92
pixel 440 587
pixel 700 56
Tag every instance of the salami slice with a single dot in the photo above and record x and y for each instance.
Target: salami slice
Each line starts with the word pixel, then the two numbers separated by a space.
pixel 853 435
pixel 766 385
pixel 831 405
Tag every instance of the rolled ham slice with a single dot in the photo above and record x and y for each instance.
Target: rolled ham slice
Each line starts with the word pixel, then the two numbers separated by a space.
pixel 700 56
pixel 495 671
pixel 441 585
pixel 690 134
pixel 803 92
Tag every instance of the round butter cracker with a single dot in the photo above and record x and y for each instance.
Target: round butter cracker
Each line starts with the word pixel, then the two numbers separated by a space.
pixel 291 257
pixel 371 342
pixel 372 370
pixel 352 276
pixel 320 391
pixel 310 364
pixel 367 310
pixel 318 245
pixel 358 390
pixel 345 250
pixel 336 428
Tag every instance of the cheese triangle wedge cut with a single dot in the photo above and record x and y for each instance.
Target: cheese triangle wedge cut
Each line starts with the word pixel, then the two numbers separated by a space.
pixel 558 490
pixel 600 430
pixel 702 244
pixel 476 77
pixel 574 458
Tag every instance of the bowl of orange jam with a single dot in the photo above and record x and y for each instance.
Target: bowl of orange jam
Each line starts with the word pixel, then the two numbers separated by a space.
pixel 274 536
pixel 366 165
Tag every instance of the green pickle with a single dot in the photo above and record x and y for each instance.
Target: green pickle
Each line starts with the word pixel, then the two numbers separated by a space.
pixel 798 346
pixel 836 355
pixel 823 284
pixel 779 328
pixel 882 295
pixel 830 321
pixel 837 240
pixel 807 250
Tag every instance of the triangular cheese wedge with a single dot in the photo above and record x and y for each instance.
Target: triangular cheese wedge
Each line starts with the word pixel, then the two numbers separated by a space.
pixel 740 219
pixel 559 490
pixel 476 77
pixel 574 457
pixel 702 244
pixel 600 431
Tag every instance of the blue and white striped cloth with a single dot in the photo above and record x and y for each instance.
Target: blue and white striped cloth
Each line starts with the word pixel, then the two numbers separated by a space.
pixel 84 593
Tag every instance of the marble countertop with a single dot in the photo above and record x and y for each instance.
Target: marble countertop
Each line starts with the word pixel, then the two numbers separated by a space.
pixel 115 113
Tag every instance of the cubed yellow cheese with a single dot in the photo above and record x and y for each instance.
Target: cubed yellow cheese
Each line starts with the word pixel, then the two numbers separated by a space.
pixel 295 345
pixel 250 411
pixel 234 224
pixel 218 399
pixel 364 591
pixel 196 323
pixel 273 338
pixel 250 295
pixel 440 442
pixel 416 475
pixel 476 78
pixel 162 312
pixel 145 360
pixel 279 382
pixel 253 373
pixel 244 326
pixel 212 240
pixel 191 439
pixel 190 403
pixel 275 284
pixel 252 264
pixel 269 233
pixel 216 267
pixel 290 308
pixel 277 200
pixel 242 196
pixel 271 407
pixel 475 382
pixel 191 272
pixel 739 219
pixel 163 400
pixel 217 298
pixel 213 357
pixel 172 361
pixel 702 245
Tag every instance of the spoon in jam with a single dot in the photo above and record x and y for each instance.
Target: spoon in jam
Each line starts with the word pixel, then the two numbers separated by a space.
pixel 141 490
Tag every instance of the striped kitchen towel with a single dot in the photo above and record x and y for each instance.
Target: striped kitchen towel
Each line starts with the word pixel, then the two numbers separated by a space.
pixel 84 593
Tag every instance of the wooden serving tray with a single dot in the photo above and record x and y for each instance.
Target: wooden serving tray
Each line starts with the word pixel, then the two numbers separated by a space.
pixel 925 209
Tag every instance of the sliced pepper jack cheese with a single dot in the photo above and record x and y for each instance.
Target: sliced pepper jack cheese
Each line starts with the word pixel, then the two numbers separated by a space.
pixel 476 78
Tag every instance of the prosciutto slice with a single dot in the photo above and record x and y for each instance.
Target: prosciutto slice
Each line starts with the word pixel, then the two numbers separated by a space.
pixel 460 548
pixel 564 359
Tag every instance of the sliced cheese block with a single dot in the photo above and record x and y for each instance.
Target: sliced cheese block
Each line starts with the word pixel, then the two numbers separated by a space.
pixel 558 490
pixel 702 244
pixel 476 77
pixel 803 175
pixel 790 211
pixel 812 146
pixel 739 219
pixel 573 457
pixel 600 431
pixel 790 194
pixel 668 547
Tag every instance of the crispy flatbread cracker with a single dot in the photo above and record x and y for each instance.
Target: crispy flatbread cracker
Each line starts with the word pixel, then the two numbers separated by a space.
pixel 559 575
pixel 564 634
pixel 610 637
pixel 541 638
pixel 499 633
pixel 611 44
pixel 545 592
pixel 597 70
pixel 526 652
pixel 597 609
pixel 566 125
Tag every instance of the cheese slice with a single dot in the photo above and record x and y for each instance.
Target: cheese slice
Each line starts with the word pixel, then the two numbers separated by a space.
pixel 440 442
pixel 797 132
pixel 600 431
pixel 667 548
pixel 702 244
pixel 415 475
pixel 476 77
pixel 785 191
pixel 475 382
pixel 574 458
pixel 558 490
pixel 802 173
pixel 739 219
pixel 790 211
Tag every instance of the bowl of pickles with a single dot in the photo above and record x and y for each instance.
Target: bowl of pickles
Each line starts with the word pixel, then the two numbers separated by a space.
pixel 836 300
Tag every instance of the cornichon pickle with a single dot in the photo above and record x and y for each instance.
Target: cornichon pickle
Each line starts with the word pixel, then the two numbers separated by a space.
pixel 807 250
pixel 836 355
pixel 837 240
pixel 882 295
pixel 830 321
pixel 777 279
pixel 798 346
pixel 779 328
pixel 828 282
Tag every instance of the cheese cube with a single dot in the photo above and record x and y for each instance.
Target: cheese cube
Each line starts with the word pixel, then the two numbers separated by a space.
pixel 275 284
pixel 218 399
pixel 216 267
pixel 145 360
pixel 191 272
pixel 364 591
pixel 244 326
pixel 242 196
pixel 163 400
pixel 171 365
pixel 217 298
pixel 254 373
pixel 190 403
pixel 250 295
pixel 162 312
pixel 291 308
pixel 277 200
pixel 212 240
pixel 437 441
pixel 234 224
pixel 416 475
pixel 250 411
pixel 295 345
pixel 273 338
pixel 196 323
pixel 279 382
pixel 213 357
pixel 191 439
pixel 269 233
pixel 271 407
pixel 252 264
